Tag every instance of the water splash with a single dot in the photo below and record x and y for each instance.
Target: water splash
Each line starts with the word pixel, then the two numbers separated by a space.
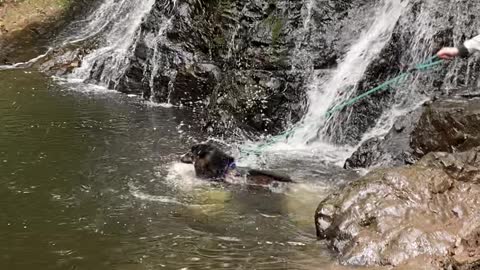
pixel 135 192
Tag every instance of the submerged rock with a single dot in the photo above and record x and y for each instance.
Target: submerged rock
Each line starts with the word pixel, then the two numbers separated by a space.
pixel 391 216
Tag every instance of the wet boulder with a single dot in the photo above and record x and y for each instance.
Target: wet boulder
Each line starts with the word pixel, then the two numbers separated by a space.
pixel 448 125
pixel 194 83
pixel 392 149
pixel 391 216
pixel 61 61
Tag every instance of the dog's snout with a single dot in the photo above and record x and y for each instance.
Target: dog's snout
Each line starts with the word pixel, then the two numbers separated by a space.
pixel 187 158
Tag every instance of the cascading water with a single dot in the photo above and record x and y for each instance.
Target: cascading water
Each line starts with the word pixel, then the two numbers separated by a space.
pixel 119 23
pixel 309 135
pixel 153 41
pixel 323 95
pixel 303 60
pixel 412 96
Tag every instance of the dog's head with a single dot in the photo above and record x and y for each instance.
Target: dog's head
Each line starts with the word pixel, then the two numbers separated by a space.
pixel 209 161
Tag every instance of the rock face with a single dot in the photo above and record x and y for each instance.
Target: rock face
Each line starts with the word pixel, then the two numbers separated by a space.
pixel 248 63
pixel 245 61
pixel 235 59
pixel 391 216
pixel 61 61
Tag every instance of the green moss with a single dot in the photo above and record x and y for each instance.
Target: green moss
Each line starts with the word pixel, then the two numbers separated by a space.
pixel 277 30
pixel 64 3
pixel 276 25
pixel 224 4
pixel 219 41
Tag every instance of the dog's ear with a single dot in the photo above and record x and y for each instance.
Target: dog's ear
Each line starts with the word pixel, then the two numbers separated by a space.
pixel 201 150
pixel 194 148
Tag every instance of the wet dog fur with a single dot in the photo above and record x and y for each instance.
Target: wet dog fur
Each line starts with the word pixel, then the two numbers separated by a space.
pixel 213 164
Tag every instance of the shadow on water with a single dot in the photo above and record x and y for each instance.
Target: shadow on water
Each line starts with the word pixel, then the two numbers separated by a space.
pixel 90 181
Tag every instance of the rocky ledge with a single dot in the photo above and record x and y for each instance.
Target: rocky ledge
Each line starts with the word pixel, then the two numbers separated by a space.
pixel 446 125
pixel 391 216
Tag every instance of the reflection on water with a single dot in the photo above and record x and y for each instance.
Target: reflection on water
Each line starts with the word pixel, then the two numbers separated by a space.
pixel 89 180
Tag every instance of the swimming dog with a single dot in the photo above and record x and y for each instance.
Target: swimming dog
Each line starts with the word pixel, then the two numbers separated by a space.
pixel 213 164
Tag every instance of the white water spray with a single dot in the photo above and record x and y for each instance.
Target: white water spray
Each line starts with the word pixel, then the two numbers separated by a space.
pixel 323 95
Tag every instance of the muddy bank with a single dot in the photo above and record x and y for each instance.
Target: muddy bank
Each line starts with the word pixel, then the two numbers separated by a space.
pixel 27 28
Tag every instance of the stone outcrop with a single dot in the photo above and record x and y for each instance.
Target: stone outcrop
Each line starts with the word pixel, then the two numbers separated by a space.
pixel 450 125
pixel 62 61
pixel 445 125
pixel 391 216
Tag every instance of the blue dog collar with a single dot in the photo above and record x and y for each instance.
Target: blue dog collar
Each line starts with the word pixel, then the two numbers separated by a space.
pixel 230 166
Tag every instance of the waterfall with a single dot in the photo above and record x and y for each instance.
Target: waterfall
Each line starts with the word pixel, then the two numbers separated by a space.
pixel 323 94
pixel 309 135
pixel 118 22
pixel 412 96
pixel 117 30
pixel 157 62
pixel 302 60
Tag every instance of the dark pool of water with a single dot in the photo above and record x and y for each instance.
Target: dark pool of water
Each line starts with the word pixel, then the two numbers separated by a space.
pixel 89 180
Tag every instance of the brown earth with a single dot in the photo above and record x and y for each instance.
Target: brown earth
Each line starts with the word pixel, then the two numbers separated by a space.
pixel 27 27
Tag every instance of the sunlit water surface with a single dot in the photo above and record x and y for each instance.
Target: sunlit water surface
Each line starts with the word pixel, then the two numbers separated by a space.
pixel 90 180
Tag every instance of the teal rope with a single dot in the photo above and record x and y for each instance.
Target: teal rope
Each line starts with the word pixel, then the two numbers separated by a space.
pixel 429 64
